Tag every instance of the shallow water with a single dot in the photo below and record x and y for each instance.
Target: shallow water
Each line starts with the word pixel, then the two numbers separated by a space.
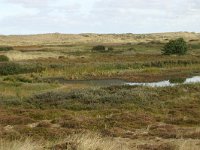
pixel 112 82
pixel 195 79
pixel 100 82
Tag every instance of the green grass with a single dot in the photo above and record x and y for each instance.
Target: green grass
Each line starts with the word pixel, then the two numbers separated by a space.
pixel 18 90
pixel 195 46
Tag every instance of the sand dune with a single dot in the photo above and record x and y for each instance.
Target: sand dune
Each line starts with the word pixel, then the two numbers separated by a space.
pixel 65 39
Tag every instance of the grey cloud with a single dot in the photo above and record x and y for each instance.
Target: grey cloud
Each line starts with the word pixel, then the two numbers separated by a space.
pixel 75 16
pixel 169 6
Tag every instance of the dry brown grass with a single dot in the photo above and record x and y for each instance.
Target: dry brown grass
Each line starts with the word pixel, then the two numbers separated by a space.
pixel 188 144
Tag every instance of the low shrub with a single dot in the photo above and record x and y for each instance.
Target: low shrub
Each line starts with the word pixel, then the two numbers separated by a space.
pixel 5 48
pixel 84 99
pixel 15 68
pixel 3 58
pixel 10 68
pixel 101 48
pixel 110 48
pixel 178 46
pixel 10 102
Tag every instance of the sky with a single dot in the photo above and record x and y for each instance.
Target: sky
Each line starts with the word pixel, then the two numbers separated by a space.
pixel 98 16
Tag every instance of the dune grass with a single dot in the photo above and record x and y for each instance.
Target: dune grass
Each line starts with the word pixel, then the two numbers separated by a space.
pixel 93 141
pixel 20 145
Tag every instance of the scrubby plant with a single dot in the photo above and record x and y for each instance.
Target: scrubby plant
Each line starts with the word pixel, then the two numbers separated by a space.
pixel 5 48
pixel 110 48
pixel 101 48
pixel 15 68
pixel 178 46
pixel 3 58
pixel 9 69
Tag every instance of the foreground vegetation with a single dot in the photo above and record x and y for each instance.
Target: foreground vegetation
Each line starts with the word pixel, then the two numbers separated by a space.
pixel 40 109
pixel 134 113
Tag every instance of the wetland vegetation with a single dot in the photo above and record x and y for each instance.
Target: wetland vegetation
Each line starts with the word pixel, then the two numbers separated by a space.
pixel 72 95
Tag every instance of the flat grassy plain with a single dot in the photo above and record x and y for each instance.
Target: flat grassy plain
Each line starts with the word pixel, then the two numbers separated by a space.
pixel 38 110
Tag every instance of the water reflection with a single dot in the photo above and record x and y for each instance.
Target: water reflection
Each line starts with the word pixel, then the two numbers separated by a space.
pixel 153 84
pixel 166 83
pixel 192 80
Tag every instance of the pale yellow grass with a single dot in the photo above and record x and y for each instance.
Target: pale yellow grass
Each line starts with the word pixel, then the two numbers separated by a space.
pixel 17 55
pixel 88 141
pixel 52 39
pixel 93 141
pixel 189 144
pixel 19 145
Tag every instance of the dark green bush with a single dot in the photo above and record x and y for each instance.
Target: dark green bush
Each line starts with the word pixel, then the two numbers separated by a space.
pixel 3 58
pixel 178 46
pixel 110 48
pixel 9 69
pixel 14 68
pixel 5 48
pixel 101 48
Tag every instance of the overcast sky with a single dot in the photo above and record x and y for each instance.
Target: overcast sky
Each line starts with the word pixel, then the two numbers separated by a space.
pixel 99 16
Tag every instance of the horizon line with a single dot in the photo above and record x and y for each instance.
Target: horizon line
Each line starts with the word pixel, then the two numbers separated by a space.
pixel 97 33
